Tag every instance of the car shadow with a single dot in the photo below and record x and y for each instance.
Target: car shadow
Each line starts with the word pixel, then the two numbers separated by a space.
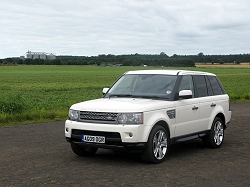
pixel 176 151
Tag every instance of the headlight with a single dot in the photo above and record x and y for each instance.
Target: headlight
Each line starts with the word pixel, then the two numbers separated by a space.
pixel 130 118
pixel 73 115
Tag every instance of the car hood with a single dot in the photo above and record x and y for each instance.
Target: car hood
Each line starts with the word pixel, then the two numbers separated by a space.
pixel 122 105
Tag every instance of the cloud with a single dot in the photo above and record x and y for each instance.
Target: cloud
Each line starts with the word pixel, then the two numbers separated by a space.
pixel 83 27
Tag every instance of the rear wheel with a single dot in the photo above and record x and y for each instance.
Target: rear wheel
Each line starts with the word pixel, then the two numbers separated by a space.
pixel 157 146
pixel 83 151
pixel 216 135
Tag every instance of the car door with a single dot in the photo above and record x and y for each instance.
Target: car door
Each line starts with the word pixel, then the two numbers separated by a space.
pixel 187 110
pixel 205 100
pixel 208 92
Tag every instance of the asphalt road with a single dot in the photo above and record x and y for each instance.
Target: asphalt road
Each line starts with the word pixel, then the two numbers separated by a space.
pixel 38 155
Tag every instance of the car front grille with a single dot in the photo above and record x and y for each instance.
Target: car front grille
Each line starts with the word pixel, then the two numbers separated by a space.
pixel 98 116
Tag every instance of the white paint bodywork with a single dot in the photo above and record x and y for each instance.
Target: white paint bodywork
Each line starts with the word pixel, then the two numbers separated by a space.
pixel 153 111
pixel 191 115
pixel 187 121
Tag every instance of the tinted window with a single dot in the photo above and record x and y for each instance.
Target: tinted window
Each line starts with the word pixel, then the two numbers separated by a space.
pixel 201 86
pixel 187 83
pixel 217 90
pixel 209 87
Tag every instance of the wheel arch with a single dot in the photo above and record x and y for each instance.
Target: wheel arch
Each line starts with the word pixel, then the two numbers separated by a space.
pixel 217 112
pixel 164 124
pixel 159 118
pixel 222 117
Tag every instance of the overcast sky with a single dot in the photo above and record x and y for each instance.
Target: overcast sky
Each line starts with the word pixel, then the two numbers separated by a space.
pixel 93 27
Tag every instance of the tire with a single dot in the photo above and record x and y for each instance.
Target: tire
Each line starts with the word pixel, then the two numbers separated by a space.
pixel 157 146
pixel 216 134
pixel 82 151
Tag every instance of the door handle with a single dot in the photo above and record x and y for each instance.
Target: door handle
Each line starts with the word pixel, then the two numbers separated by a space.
pixel 213 105
pixel 195 108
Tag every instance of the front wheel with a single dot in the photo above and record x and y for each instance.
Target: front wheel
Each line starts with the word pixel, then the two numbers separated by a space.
pixel 216 135
pixel 157 146
pixel 82 151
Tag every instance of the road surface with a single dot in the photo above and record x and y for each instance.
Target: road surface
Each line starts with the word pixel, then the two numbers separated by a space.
pixel 38 155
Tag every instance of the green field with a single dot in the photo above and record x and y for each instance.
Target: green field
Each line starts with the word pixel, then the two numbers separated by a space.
pixel 30 94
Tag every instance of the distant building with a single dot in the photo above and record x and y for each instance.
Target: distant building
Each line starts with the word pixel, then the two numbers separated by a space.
pixel 39 55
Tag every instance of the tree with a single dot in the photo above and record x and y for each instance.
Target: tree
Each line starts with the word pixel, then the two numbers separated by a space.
pixel 220 61
pixel 200 54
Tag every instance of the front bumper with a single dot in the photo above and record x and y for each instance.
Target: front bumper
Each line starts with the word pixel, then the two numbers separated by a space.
pixel 116 135
pixel 111 145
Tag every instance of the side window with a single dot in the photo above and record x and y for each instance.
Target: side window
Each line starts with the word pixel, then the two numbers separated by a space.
pixel 209 87
pixel 201 86
pixel 187 83
pixel 215 85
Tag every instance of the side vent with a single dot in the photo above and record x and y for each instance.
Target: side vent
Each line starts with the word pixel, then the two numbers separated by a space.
pixel 171 114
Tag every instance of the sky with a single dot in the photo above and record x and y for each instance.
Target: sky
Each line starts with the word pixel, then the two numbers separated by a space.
pixel 93 27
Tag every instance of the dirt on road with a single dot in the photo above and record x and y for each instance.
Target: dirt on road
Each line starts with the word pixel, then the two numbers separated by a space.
pixel 38 155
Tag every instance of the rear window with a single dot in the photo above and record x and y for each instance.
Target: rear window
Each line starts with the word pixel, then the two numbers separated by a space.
pixel 216 87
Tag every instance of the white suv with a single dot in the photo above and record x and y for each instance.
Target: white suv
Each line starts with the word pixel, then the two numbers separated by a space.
pixel 148 110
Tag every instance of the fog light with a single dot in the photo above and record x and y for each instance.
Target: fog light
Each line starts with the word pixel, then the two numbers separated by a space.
pixel 130 134
pixel 67 129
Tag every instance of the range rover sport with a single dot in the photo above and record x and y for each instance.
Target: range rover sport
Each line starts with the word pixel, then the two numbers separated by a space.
pixel 147 111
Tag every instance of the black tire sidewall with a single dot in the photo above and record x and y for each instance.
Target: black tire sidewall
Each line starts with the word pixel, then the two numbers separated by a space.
pixel 211 137
pixel 148 153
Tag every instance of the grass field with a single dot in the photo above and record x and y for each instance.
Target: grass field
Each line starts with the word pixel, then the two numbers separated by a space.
pixel 30 94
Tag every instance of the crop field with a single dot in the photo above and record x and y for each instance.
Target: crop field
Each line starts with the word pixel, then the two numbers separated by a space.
pixel 30 94
pixel 228 65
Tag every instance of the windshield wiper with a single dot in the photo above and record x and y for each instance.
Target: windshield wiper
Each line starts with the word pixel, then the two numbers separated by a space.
pixel 152 97
pixel 120 95
pixel 139 96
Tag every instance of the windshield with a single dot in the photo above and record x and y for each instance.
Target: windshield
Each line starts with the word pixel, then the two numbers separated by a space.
pixel 148 86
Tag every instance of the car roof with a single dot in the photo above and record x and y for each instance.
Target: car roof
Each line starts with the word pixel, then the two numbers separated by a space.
pixel 169 72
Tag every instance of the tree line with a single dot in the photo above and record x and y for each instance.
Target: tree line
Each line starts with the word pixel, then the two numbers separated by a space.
pixel 134 60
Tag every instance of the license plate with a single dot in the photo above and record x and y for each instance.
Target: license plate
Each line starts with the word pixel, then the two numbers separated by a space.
pixel 94 139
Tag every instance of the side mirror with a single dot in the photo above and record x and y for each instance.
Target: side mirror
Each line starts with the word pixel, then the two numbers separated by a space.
pixel 185 94
pixel 104 90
